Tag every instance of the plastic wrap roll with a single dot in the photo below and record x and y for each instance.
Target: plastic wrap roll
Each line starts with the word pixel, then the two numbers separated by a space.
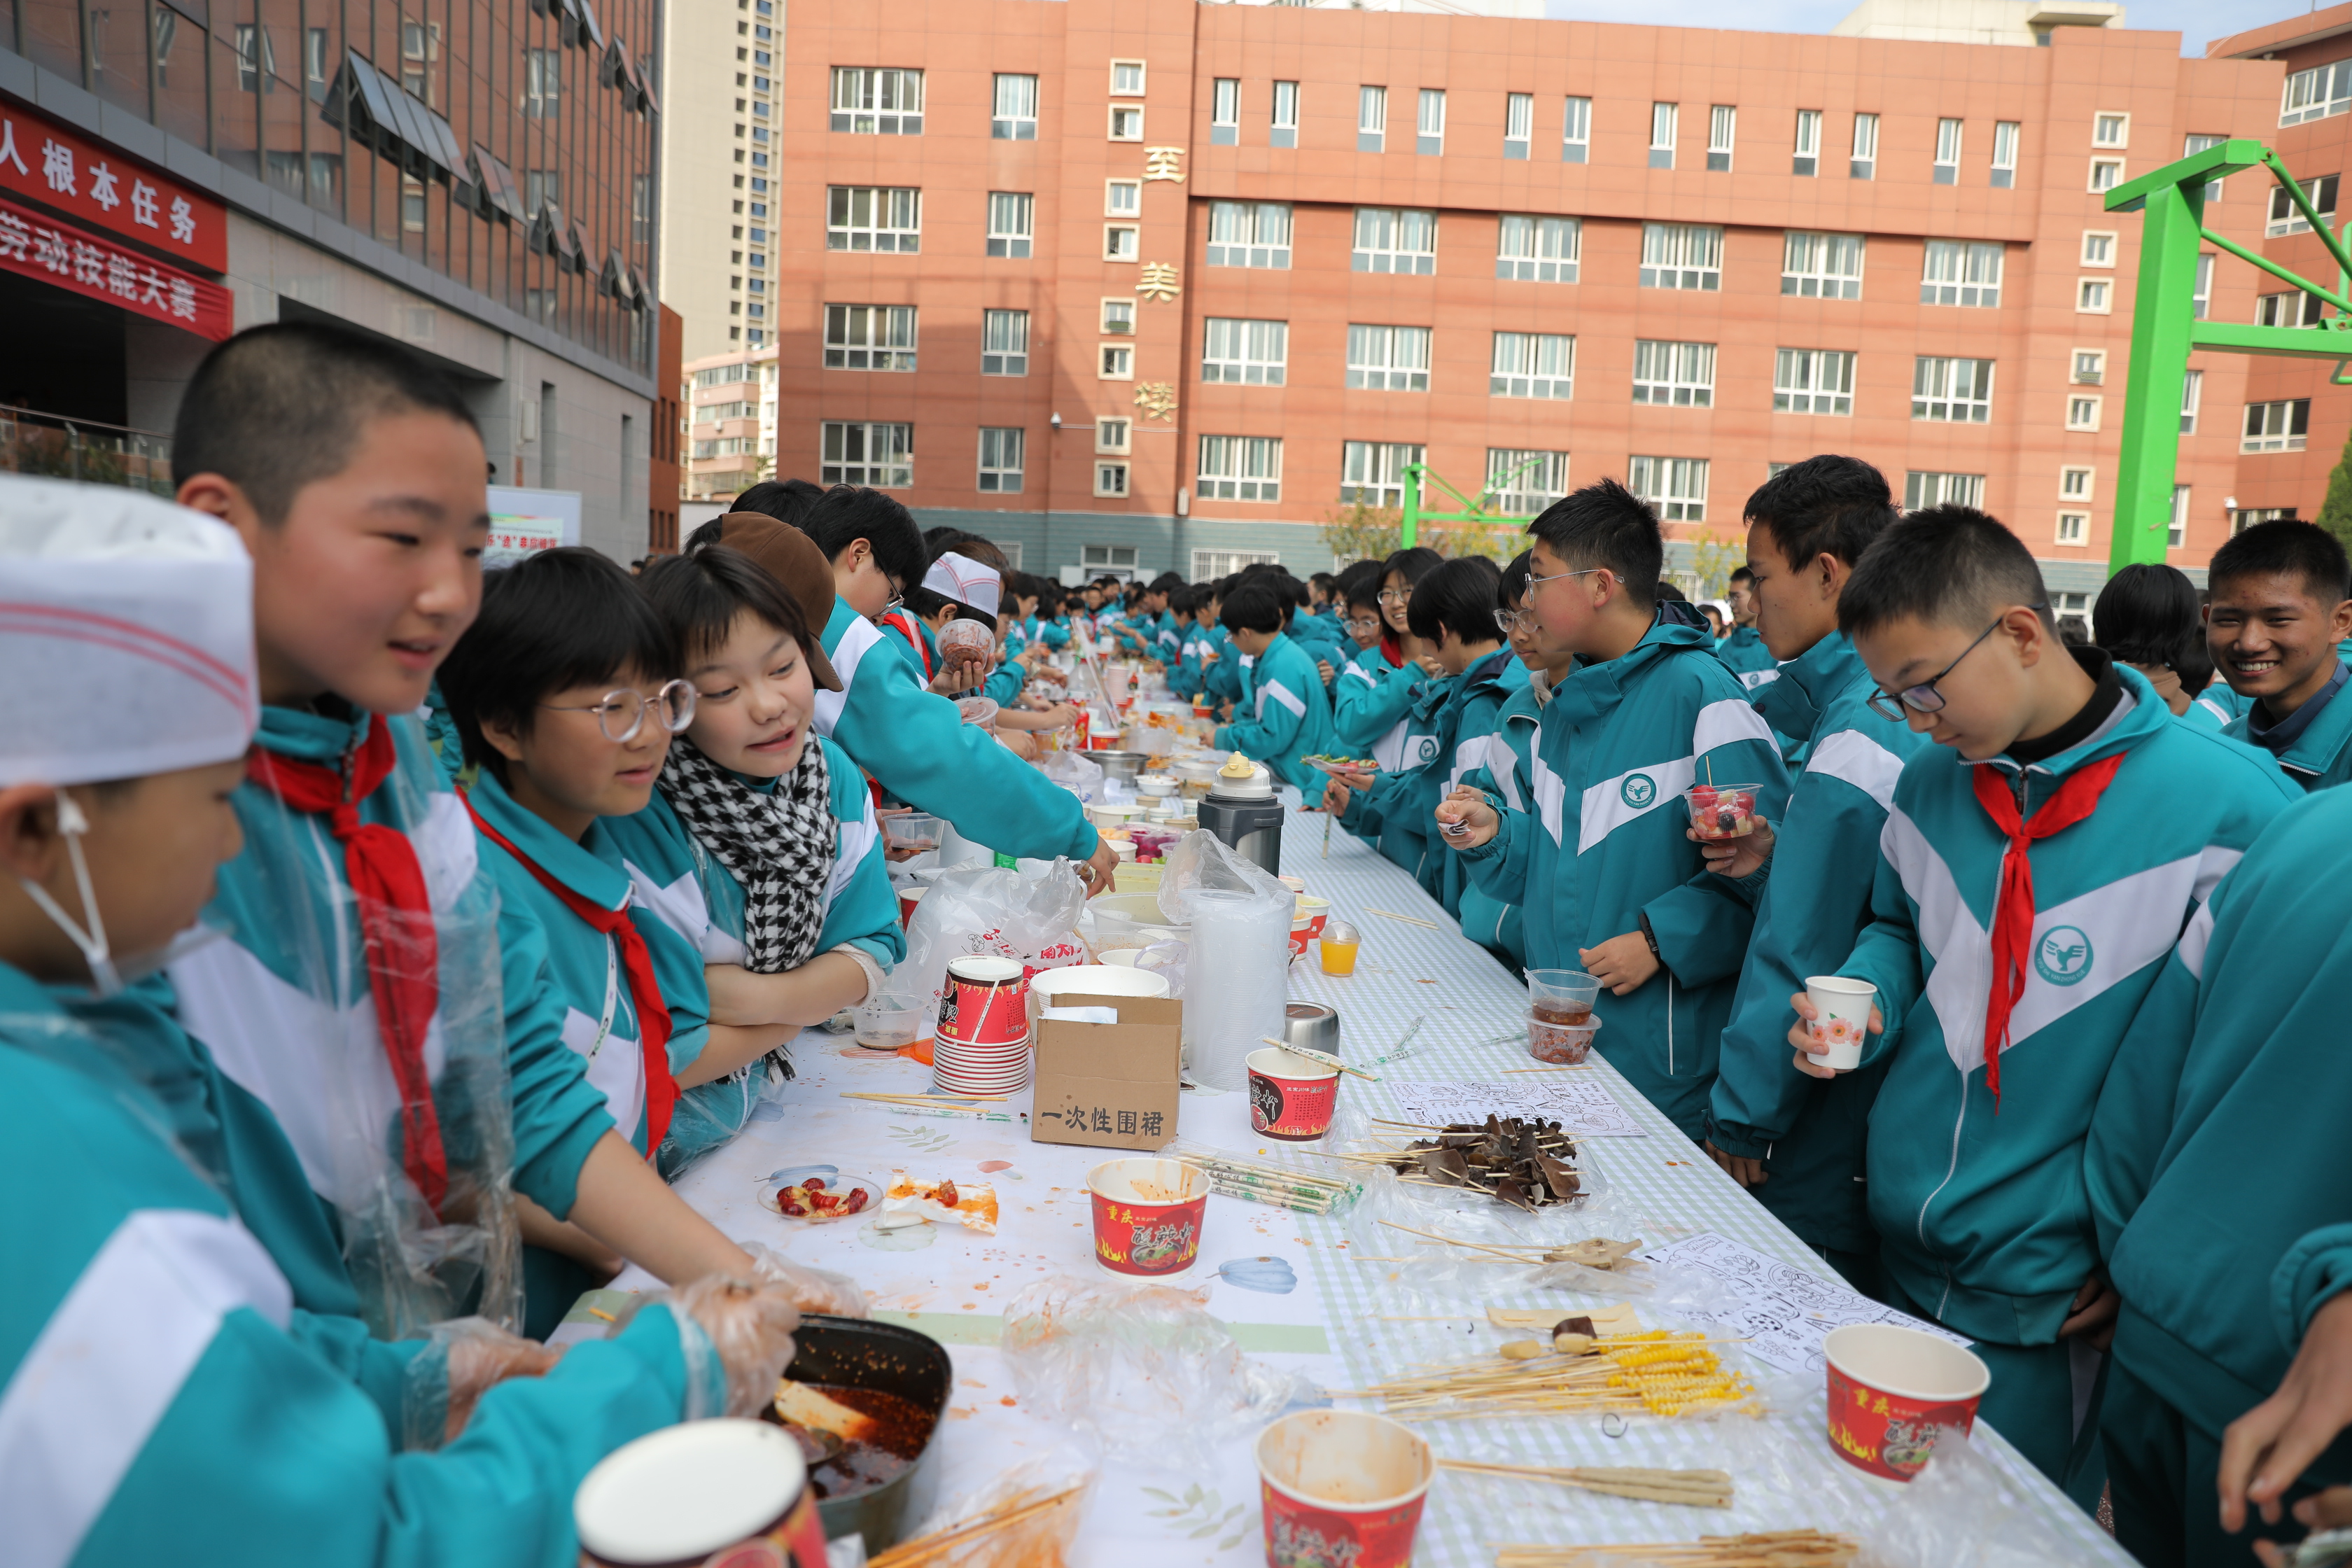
pixel 1245 941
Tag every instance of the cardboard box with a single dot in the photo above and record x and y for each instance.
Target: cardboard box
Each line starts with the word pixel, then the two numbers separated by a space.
pixel 1109 1086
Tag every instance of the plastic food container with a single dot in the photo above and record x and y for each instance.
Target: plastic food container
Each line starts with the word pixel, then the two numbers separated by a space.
pixel 1560 1044
pixel 1722 811
pixel 887 1023
pixel 913 830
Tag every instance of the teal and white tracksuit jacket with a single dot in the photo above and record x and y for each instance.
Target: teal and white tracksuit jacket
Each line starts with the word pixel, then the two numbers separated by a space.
pixel 2319 758
pixel 164 1396
pixel 2213 708
pixel 1290 716
pixel 917 746
pixel 1371 708
pixel 697 901
pixel 1814 902
pixel 1505 772
pixel 1620 740
pixel 1450 722
pixel 1744 653
pixel 1188 676
pixel 1982 1215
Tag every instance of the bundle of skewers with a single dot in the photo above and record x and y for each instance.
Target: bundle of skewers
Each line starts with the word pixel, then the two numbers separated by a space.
pixel 1522 1164
pixel 1658 1373
pixel 1595 1252
pixel 1032 1526
pixel 1691 1488
pixel 1775 1549
pixel 1276 1186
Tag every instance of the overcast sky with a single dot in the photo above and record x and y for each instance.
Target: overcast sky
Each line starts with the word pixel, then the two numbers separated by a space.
pixel 2195 20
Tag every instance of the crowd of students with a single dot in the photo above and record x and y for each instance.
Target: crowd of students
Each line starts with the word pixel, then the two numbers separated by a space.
pixel 379 935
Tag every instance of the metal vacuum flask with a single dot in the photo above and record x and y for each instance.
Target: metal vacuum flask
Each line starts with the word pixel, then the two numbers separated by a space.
pixel 1245 815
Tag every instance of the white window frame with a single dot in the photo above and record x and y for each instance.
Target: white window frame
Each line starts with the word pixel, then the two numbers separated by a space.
pixel 2093 375
pixel 2078 484
pixel 1549 249
pixel 1016 449
pixel 1232 217
pixel 1246 467
pixel 1117 318
pixel 1133 88
pixel 2083 410
pixel 892 203
pixel 1722 136
pixel 2094 296
pixel 1813 264
pixel 2110 130
pixel 2175 528
pixel 1122 198
pixel 2285 218
pixel 2099 246
pixel 1390 256
pixel 1225 112
pixel 2316 94
pixel 1283 132
pixel 869 337
pixel 1237 351
pixel 1518 125
pixel 884 452
pixel 2201 289
pixel 873 101
pixel 1532 365
pixel 1429 122
pixel 1951 389
pixel 2278 419
pixel 2105 174
pixel 1664 121
pixel 1114 435
pixel 1111 479
pixel 1385 358
pixel 1813 381
pixel 1371 119
pixel 2005 136
pixel 1967 285
pixel 2192 395
pixel 1682 256
pixel 1925 487
pixel 1576 130
pixel 1863 164
pixel 1017 211
pixel 2074 528
pixel 1372 473
pixel 1541 479
pixel 1673 375
pixel 1114 361
pixel 1208 565
pixel 1676 487
pixel 1006 122
pixel 1123 122
pixel 1122 242
pixel 1004 339
pixel 1950 137
pixel 1805 158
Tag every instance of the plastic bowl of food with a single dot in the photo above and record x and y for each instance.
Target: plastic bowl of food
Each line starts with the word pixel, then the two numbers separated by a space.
pixel 911 830
pixel 887 1024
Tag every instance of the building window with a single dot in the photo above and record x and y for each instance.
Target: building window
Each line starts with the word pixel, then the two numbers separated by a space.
pixel 1249 234
pixel 1114 435
pixel 881 457
pixel 878 218
pixel 1000 460
pixel 869 337
pixel 1240 467
pixel 869 103
pixel 1225 112
pixel 1864 163
pixel 1518 125
pixel 1926 490
pixel 2285 217
pixel 1126 123
pixel 1533 364
pixel 2099 247
pixel 2005 155
pixel 1014 117
pixel 1807 160
pixel 1283 127
pixel 1575 131
pixel 1122 242
pixel 2276 426
pixel 2074 527
pixel 1371 118
pixel 1722 121
pixel 2316 93
pixel 1395 239
pixel 2195 143
pixel 1004 343
pixel 1097 559
pixel 2076 484
pixel 1821 265
pixel 1114 362
pixel 1675 487
pixel 1430 138
pixel 1110 480
pixel 1127 78
pixel 1663 117
pixel 1961 273
pixel 1680 374
pixel 1388 359
pixel 1372 473
pixel 1118 317
pixel 1682 256
pixel 1208 565
pixel 1537 249
pixel 1813 381
pixel 2201 294
pixel 1948 151
pixel 1523 483
pixel 2107 173
pixel 1011 217
pixel 2093 296
pixel 2083 412
pixel 2176 531
pixel 2110 130
pixel 1245 353
pixel 2090 366
pixel 1951 390
pixel 2192 391
pixel 1122 198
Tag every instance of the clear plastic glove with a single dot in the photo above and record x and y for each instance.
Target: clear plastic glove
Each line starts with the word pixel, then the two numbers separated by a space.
pixel 1736 858
pixel 462 1359
pixel 812 1290
pixel 1466 819
pixel 749 1327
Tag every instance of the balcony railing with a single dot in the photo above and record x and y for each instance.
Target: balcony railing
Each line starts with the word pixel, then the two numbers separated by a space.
pixel 84 450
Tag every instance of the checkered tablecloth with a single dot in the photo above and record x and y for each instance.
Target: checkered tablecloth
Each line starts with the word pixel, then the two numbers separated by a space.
pixel 1350 1320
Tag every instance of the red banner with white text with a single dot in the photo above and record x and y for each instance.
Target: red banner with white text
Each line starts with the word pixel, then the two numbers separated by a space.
pixel 69 258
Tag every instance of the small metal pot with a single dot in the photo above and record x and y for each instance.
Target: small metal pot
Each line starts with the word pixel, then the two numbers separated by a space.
pixel 1118 764
pixel 855 1353
pixel 1312 1024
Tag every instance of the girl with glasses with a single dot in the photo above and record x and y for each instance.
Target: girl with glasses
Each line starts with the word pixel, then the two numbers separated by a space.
pixel 1373 699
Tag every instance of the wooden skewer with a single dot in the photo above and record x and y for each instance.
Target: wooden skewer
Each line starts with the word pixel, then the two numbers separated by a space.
pixel 1475 1246
pixel 1326 1058
pixel 1408 919
pixel 949 1100
pixel 924 1548
pixel 1692 1489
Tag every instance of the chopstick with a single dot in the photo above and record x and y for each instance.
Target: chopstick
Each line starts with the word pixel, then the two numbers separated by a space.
pixel 1408 919
pixel 927 1099
pixel 1326 1058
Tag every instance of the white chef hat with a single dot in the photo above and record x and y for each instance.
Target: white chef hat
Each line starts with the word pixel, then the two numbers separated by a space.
pixel 966 581
pixel 126 630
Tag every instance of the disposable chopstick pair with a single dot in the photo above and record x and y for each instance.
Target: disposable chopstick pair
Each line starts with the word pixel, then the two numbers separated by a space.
pixel 1326 1058
pixel 1406 919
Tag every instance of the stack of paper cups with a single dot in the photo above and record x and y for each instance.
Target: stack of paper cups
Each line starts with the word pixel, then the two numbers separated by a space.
pixel 1245 941
pixel 982 1045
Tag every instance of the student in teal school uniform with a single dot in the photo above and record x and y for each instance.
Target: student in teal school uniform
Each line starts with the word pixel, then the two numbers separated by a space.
pixel 2036 868
pixel 1357 610
pixel 1743 650
pixel 1291 717
pixel 2147 617
pixel 1798 1145
pixel 566 690
pixel 371 981
pixel 1504 769
pixel 1372 702
pixel 1647 711
pixel 760 848
pixel 2224 1218
pixel 2281 603
pixel 168 1395
pixel 915 745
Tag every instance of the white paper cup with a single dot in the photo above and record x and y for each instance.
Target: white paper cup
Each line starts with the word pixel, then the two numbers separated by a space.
pixel 1841 1018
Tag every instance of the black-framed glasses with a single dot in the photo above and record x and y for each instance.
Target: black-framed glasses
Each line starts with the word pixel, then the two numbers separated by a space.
pixel 1925 698
pixel 622 713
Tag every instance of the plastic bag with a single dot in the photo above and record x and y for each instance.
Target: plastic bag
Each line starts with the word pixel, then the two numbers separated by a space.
pixel 462 1359
pixel 1144 1373
pixel 990 909
pixel 1168 958
pixel 812 1290
pixel 1239 920
pixel 1962 1512
pixel 1041 1539
pixel 1076 775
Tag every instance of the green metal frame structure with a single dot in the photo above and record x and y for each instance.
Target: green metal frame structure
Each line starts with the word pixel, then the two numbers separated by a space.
pixel 1472 510
pixel 2165 328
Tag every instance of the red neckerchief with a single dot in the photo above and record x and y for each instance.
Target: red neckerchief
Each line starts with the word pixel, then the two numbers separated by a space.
pixel 636 963
pixel 397 929
pixel 1391 648
pixel 900 621
pixel 2012 910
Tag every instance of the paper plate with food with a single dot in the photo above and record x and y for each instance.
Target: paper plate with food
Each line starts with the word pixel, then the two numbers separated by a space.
pixel 818 1193
pixel 1342 765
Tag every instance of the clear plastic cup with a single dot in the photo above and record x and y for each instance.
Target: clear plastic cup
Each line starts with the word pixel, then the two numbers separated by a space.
pixel 1337 946
pixel 980 710
pixel 957 636
pixel 1561 996
pixel 911 830
pixel 1560 1045
pixel 886 1023
pixel 1722 811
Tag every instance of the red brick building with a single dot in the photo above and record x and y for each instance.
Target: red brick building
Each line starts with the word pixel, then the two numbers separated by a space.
pixel 1155 283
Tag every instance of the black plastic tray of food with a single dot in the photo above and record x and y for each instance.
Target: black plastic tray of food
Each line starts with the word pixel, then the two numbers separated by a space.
pixel 853 1353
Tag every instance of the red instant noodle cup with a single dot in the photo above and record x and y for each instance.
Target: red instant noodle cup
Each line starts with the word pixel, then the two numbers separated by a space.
pixel 1148 1215
pixel 1291 1097
pixel 1890 1388
pixel 1722 811
pixel 985 1003
pixel 1342 1486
